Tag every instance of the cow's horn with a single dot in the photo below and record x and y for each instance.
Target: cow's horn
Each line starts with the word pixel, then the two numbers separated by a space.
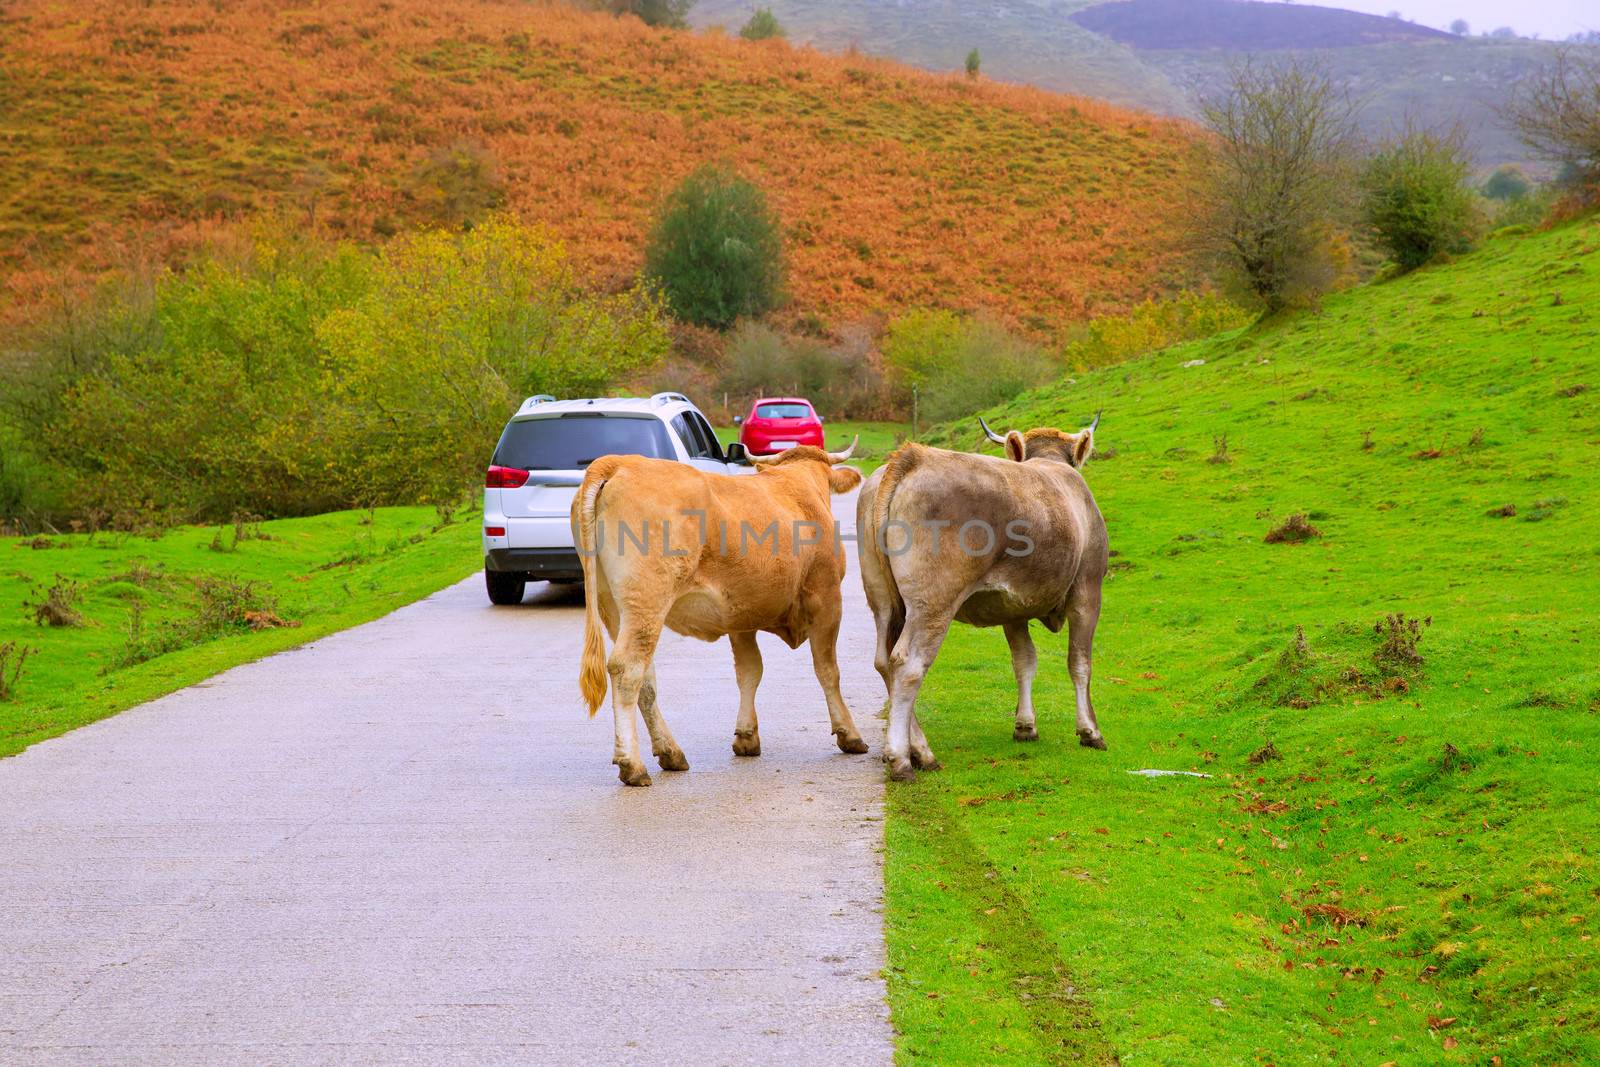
pixel 840 457
pixel 996 438
pixel 1096 421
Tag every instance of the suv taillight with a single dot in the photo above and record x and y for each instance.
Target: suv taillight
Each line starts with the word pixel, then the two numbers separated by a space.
pixel 505 478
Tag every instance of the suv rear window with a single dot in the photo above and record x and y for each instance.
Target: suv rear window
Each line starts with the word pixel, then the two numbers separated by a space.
pixel 572 442
pixel 782 411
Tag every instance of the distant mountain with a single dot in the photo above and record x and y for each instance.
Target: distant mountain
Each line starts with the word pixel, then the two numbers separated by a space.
pixel 1250 26
pixel 1158 54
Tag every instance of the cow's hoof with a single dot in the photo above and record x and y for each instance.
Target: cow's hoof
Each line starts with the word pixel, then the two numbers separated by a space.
pixel 747 746
pixel 633 774
pixel 673 761
pixel 1025 733
pixel 901 770
pixel 851 744
pixel 926 763
pixel 1092 741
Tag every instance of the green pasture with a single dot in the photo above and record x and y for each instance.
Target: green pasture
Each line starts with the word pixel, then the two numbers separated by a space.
pixel 145 615
pixel 1391 861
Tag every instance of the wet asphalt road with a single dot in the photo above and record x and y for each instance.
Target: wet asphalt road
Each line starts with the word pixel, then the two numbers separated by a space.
pixel 407 843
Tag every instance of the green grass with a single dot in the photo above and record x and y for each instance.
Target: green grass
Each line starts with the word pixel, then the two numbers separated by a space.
pixel 878 439
pixel 1337 904
pixel 316 575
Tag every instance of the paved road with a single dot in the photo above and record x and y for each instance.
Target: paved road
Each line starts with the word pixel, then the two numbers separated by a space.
pixel 406 842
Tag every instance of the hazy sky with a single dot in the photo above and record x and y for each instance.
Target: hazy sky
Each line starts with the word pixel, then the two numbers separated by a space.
pixel 1550 19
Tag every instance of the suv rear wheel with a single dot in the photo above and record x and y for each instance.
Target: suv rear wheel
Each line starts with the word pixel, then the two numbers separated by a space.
pixel 505 587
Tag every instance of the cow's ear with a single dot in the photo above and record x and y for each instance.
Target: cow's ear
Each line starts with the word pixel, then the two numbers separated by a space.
pixel 1082 447
pixel 1016 448
pixel 843 479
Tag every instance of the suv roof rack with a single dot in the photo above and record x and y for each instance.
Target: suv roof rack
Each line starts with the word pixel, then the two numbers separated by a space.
pixel 542 398
pixel 669 398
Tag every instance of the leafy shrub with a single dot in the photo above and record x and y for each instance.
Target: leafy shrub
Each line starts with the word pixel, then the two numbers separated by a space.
pixel 1151 325
pixel 716 250
pixel 1414 195
pixel 1507 183
pixel 297 378
pixel 974 62
pixel 672 14
pixel 762 26
pixel 841 379
pixel 959 365
pixel 449 335
pixel 1527 211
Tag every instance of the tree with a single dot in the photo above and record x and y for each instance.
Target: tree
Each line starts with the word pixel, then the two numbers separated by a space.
pixel 1556 113
pixel 762 25
pixel 1503 32
pixel 1460 27
pixel 717 249
pixel 974 61
pixel 1276 185
pixel 1414 196
pixel 1507 183
pixel 673 14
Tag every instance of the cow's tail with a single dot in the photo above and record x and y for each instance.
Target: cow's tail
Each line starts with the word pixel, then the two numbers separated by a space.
pixel 900 463
pixel 592 679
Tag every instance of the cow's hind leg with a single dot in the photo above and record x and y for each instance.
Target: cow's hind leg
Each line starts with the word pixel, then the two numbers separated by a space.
pixel 889 626
pixel 628 666
pixel 1083 612
pixel 824 661
pixel 921 755
pixel 747 665
pixel 913 655
pixel 662 743
pixel 1024 664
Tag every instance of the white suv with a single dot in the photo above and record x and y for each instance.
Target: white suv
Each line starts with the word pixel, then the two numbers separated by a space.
pixel 539 464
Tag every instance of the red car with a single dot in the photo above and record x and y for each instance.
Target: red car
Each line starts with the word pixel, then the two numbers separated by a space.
pixel 779 422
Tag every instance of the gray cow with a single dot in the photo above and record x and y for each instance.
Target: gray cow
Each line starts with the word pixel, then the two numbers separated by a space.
pixel 951 536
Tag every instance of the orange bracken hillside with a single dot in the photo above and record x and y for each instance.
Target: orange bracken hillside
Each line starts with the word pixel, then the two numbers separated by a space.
pixel 128 126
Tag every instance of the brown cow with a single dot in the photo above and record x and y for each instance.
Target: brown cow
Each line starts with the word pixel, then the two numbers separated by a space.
pixel 707 555
pixel 950 536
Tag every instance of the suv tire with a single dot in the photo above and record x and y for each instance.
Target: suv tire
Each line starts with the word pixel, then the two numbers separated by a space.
pixel 505 587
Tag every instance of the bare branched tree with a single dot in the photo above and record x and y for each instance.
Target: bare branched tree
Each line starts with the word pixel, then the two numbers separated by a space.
pixel 1278 182
pixel 1556 112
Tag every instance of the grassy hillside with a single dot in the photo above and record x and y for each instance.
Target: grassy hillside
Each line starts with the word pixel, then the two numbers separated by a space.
pixel 1393 861
pixel 126 128
pixel 1020 41
pixel 146 616
pixel 1157 53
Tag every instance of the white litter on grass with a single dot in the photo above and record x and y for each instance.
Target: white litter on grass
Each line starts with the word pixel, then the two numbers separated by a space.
pixel 1152 773
pixel 1195 363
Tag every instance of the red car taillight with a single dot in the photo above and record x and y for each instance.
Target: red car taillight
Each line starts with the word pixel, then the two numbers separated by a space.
pixel 494 531
pixel 505 478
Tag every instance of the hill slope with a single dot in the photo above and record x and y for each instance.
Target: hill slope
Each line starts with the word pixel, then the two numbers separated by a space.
pixel 1414 877
pixel 896 187
pixel 1157 54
